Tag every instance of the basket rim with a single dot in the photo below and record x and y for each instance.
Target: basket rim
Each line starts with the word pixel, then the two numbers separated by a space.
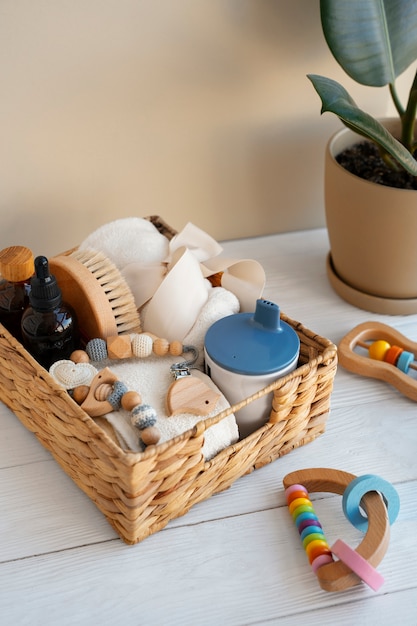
pixel 130 458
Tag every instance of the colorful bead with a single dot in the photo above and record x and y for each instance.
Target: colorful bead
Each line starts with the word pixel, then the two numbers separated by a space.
pixel 404 361
pixel 294 489
pixel 310 530
pixel 308 525
pixel 303 508
pixel 298 502
pixel 309 515
pixel 315 548
pixel 392 355
pixel 312 537
pixel 381 350
pixel 319 561
pixel 378 349
pixel 296 494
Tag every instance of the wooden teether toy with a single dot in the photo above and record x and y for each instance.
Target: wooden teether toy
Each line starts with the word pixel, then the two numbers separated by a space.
pixel 106 394
pixel 389 356
pixel 352 566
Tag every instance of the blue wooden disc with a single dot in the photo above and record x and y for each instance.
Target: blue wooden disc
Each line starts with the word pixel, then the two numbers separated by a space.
pixel 355 491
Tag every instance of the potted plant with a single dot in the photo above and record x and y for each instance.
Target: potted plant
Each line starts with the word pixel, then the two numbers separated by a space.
pixel 371 211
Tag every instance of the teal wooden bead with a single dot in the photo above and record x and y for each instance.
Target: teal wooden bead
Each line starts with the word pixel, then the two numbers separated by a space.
pixel 404 361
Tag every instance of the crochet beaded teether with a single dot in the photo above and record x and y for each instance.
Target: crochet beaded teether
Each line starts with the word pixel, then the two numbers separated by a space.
pixel 389 356
pixel 106 394
pixel 187 394
pixel 353 566
pixel 139 345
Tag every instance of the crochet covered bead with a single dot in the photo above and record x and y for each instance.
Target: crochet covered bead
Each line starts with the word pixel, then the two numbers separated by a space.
pixel 142 345
pixel 143 416
pixel 119 389
pixel 97 349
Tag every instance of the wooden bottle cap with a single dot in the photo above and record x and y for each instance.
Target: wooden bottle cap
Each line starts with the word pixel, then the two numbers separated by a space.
pixel 16 263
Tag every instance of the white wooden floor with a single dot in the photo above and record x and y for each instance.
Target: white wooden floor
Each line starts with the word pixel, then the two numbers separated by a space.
pixel 235 559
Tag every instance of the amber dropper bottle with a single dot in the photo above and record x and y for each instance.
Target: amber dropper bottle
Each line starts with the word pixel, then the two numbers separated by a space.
pixel 16 270
pixel 49 325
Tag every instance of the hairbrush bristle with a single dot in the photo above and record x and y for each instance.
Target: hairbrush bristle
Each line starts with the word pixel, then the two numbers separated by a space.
pixel 115 287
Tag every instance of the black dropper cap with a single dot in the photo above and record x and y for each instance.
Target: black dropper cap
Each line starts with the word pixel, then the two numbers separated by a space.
pixel 45 294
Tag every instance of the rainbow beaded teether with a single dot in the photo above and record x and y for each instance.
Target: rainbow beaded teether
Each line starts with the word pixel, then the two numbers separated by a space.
pixel 308 525
pixel 353 565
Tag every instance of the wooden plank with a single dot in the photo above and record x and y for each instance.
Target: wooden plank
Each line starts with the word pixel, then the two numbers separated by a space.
pixel 237 570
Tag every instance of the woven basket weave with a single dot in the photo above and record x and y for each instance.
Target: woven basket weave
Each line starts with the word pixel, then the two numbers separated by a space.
pixel 139 493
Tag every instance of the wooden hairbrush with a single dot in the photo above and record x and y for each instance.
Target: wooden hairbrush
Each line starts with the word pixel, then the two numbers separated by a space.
pixel 101 297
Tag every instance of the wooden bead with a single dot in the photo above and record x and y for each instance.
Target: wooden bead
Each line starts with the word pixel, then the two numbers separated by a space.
pixel 150 436
pixel 175 348
pixel 130 400
pixel 119 347
pixel 79 356
pixel 161 346
pixel 80 393
pixel 103 391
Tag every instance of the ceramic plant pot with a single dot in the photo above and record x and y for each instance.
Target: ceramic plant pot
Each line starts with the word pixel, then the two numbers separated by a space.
pixel 373 236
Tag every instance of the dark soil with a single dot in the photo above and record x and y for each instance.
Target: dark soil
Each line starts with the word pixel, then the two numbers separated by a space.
pixel 363 160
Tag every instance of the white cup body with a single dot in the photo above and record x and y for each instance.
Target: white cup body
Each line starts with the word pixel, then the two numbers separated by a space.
pixel 237 387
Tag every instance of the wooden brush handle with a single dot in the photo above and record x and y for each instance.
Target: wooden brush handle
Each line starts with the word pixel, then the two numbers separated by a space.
pixel 365 366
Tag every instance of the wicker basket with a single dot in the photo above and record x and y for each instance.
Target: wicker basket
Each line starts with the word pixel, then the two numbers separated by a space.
pixel 139 493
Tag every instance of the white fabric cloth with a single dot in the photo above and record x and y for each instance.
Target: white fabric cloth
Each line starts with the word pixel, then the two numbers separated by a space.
pixel 170 276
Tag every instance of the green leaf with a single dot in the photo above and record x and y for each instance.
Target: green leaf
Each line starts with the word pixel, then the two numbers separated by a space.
pixel 374 41
pixel 337 100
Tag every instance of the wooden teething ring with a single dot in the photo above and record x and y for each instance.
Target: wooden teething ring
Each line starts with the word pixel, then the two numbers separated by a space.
pixel 337 576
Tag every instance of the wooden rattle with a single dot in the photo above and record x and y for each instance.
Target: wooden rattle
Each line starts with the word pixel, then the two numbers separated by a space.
pixel 390 356
pixel 353 566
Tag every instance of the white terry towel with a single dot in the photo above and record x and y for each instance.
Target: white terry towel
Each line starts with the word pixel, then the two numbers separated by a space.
pixel 151 377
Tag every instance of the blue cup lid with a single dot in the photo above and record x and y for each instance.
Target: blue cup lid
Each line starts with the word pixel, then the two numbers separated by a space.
pixel 253 343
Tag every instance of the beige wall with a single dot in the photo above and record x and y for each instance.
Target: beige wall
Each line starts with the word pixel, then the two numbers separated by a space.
pixel 196 110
